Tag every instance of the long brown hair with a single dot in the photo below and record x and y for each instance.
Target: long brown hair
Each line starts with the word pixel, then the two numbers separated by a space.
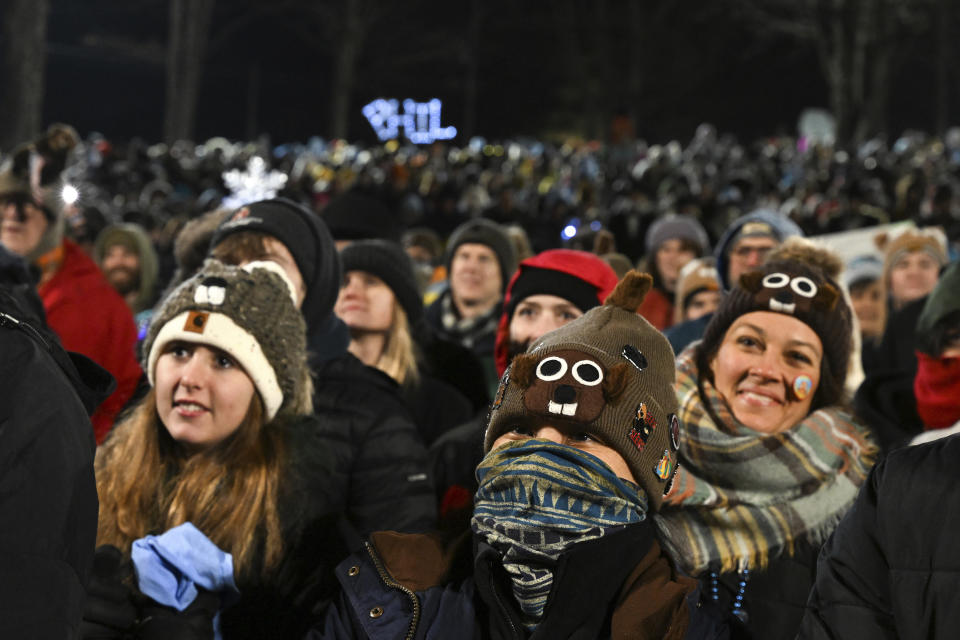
pixel 147 484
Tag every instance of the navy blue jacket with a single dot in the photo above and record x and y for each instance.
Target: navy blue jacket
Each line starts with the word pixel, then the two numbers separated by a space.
pixel 412 587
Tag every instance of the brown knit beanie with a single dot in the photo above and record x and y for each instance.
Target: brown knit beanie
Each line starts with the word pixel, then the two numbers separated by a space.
pixel 609 371
pixel 249 313
pixel 801 290
pixel 697 275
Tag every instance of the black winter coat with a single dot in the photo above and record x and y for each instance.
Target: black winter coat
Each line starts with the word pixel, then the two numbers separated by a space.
pixel 892 567
pixel 885 399
pixel 436 407
pixel 280 603
pixel 365 421
pixel 773 598
pixel 48 495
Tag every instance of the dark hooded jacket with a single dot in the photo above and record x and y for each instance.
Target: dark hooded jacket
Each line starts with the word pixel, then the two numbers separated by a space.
pixel 48 512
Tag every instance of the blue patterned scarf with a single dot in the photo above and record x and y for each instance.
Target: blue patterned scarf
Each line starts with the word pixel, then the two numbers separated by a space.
pixel 536 500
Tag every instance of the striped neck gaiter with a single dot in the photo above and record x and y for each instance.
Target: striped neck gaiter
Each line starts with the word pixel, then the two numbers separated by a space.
pixel 536 499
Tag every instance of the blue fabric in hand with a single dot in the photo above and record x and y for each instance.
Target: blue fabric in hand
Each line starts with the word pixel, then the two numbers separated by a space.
pixel 171 566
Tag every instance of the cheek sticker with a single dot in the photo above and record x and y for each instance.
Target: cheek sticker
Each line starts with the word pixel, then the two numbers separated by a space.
pixel 802 386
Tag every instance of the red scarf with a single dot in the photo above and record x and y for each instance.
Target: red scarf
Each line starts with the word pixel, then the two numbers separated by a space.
pixel 937 388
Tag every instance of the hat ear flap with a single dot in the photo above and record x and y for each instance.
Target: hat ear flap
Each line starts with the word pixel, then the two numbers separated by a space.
pixel 752 281
pixel 615 382
pixel 630 291
pixel 826 298
pixel 521 369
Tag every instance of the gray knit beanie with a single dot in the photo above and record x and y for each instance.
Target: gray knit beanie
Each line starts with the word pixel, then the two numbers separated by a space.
pixel 249 313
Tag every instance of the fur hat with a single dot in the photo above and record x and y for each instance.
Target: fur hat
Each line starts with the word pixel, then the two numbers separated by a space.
pixel 895 249
pixel 798 280
pixel 33 174
pixel 490 234
pixel 609 371
pixel 390 263
pixel 249 313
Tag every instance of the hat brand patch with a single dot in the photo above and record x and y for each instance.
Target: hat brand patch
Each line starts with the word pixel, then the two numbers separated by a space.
pixel 196 321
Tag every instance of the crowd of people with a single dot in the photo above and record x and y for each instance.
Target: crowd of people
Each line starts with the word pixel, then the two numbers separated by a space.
pixel 509 390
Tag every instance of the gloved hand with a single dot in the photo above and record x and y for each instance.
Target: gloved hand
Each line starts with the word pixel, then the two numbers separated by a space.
pixel 109 612
pixel 160 622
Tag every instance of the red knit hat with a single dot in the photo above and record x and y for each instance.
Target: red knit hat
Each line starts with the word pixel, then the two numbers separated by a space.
pixel 581 265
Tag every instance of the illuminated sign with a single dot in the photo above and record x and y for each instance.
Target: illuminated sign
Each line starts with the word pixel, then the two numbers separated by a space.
pixel 420 120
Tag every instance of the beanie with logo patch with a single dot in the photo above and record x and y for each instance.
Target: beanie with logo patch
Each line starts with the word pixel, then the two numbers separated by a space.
pixel 249 313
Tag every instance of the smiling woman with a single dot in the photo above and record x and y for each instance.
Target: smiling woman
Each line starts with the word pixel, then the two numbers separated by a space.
pixel 769 457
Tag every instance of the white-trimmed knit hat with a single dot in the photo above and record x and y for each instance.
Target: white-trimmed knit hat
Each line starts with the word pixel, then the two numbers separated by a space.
pixel 249 313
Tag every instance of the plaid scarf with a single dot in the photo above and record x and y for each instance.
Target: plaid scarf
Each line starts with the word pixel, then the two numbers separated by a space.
pixel 743 497
pixel 536 500
pixel 467 331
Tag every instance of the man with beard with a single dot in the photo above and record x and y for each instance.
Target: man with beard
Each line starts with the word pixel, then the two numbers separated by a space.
pixel 129 262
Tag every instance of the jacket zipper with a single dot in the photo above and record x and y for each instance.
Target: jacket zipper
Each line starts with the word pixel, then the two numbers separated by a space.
pixel 390 582
pixel 10 321
pixel 503 610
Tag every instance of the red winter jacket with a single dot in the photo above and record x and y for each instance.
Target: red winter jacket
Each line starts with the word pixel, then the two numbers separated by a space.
pixel 586 266
pixel 91 318
pixel 657 308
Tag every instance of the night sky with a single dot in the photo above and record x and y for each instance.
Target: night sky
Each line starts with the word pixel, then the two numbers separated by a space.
pixel 105 70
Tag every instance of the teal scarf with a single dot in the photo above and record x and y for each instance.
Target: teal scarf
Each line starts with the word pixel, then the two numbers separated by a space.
pixel 536 500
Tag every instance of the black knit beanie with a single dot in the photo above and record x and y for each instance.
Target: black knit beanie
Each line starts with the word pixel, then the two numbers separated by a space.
pixel 796 289
pixel 490 234
pixel 305 235
pixel 356 216
pixel 390 263
pixel 534 281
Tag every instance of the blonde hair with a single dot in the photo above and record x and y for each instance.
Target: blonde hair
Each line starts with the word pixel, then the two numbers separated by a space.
pixel 399 357
pixel 147 484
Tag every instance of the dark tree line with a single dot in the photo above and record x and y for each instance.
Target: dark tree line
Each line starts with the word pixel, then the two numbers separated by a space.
pixel 568 66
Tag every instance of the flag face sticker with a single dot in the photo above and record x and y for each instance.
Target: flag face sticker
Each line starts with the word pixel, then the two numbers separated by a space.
pixel 196 322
